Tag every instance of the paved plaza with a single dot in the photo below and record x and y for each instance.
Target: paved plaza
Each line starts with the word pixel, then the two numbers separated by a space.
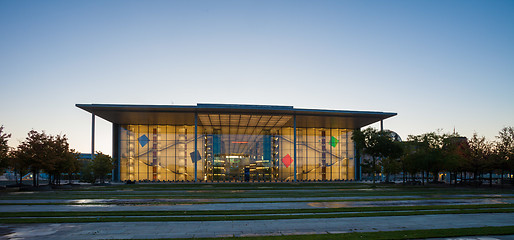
pixel 149 230
pixel 189 211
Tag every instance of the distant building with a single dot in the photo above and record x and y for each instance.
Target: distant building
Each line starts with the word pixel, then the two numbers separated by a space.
pixel 225 142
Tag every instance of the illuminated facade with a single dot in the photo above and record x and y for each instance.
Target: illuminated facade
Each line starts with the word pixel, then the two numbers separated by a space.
pixel 221 142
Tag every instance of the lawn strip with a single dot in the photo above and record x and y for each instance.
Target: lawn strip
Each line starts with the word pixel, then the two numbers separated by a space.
pixel 383 235
pixel 196 192
pixel 270 201
pixel 249 212
pixel 213 195
pixel 427 212
pixel 247 217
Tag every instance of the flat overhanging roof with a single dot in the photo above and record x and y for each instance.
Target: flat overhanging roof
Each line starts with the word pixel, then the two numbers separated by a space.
pixel 233 115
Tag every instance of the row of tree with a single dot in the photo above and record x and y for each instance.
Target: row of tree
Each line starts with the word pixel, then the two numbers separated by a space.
pixel 44 153
pixel 432 153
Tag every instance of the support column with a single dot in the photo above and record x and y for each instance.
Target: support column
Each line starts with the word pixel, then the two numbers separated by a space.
pixel 323 155
pixel 380 159
pixel 358 172
pixel 155 161
pixel 266 152
pixel 116 152
pixel 348 159
pixel 294 143
pixel 196 146
pixel 92 135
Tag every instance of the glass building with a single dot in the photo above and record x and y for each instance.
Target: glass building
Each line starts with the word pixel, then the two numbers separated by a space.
pixel 224 142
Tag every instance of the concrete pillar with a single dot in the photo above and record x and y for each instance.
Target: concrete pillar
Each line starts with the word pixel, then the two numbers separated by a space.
pixel 196 147
pixel 116 152
pixel 92 135
pixel 294 143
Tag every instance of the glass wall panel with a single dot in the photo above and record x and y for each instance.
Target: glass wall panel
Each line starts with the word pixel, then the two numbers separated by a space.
pixel 246 148
pixel 351 156
pixel 302 153
pixel 286 164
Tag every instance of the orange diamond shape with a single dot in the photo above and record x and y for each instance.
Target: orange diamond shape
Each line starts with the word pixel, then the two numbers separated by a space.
pixel 287 160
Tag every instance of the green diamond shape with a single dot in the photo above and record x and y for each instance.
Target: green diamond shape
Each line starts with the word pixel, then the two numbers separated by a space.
pixel 333 141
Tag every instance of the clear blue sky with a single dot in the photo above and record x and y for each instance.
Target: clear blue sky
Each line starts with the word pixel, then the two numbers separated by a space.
pixel 438 64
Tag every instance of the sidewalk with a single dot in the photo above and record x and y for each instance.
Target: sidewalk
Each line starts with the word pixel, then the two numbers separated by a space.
pixel 149 230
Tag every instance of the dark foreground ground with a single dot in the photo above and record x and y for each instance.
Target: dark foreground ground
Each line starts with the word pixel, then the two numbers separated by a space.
pixel 258 211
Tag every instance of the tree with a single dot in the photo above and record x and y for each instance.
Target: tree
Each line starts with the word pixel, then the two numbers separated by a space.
pixel 479 149
pixel 390 166
pixel 43 152
pixel 4 149
pixel 494 161
pixel 415 158
pixel 391 163
pixel 456 150
pixel 505 146
pixel 72 164
pixel 40 152
pixel 35 152
pixel 63 159
pixel 86 172
pixel 378 145
pixel 19 161
pixel 409 160
pixel 429 153
pixel 101 165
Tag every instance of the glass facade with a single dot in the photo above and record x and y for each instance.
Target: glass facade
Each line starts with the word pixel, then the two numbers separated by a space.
pixel 234 147
pixel 232 142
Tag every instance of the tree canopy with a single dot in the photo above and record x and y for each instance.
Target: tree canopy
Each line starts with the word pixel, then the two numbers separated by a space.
pixel 4 149
pixel 42 152
pixel 505 146
pixel 98 168
pixel 381 146
pixel 432 153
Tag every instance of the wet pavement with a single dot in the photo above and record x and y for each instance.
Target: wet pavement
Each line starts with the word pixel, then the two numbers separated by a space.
pixel 247 206
pixel 178 200
pixel 185 229
pixel 221 200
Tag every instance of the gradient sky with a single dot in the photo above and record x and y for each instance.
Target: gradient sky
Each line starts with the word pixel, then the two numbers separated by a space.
pixel 438 64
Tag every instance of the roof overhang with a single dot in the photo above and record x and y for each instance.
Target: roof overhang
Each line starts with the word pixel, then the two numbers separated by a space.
pixel 185 114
